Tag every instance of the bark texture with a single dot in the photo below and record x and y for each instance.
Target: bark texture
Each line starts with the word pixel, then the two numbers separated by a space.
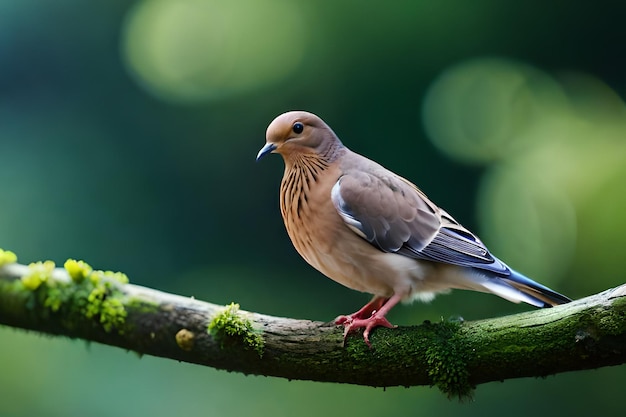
pixel 454 356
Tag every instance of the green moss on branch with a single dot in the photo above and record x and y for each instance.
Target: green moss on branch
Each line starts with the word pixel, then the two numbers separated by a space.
pixel 78 301
pixel 94 295
pixel 231 326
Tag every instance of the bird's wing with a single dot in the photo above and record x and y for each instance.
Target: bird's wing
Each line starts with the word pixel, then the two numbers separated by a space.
pixel 395 216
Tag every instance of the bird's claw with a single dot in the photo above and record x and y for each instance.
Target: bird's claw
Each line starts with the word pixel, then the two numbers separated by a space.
pixel 343 320
pixel 352 323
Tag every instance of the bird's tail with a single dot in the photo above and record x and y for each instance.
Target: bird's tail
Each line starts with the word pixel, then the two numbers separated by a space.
pixel 517 287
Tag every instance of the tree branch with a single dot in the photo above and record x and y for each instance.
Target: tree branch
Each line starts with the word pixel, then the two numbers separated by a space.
pixel 98 306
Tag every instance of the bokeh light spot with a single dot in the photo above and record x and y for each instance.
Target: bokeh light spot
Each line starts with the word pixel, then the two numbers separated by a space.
pixel 476 110
pixel 199 50
pixel 555 149
pixel 529 223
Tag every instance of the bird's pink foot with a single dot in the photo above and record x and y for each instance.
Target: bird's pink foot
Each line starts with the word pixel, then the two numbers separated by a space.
pixel 364 313
pixel 351 323
pixel 372 315
pixel 343 320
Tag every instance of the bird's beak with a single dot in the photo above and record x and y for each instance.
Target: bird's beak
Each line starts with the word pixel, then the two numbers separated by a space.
pixel 269 147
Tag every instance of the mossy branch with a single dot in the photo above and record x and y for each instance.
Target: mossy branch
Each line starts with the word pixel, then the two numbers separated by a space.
pixel 588 333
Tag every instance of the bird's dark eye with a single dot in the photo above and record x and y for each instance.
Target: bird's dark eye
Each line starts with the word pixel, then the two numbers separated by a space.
pixel 298 127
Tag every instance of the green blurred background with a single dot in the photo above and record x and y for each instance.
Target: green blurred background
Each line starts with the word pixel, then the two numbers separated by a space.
pixel 128 132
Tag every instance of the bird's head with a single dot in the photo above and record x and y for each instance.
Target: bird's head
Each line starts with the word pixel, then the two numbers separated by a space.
pixel 297 132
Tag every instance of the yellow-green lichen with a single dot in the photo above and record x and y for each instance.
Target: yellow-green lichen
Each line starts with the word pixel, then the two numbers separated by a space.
pixel 113 314
pixel 104 304
pixel 55 296
pixel 38 273
pixel 447 362
pixel 97 276
pixel 7 257
pixel 95 295
pixel 230 325
pixel 77 270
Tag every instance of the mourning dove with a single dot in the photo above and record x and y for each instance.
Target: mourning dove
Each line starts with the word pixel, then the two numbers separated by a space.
pixel 374 231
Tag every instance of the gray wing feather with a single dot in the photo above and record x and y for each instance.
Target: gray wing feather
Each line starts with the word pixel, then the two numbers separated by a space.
pixel 395 216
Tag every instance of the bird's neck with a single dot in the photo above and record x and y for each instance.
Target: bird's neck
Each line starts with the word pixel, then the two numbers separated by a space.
pixel 333 150
pixel 303 168
pixel 302 173
pixel 320 158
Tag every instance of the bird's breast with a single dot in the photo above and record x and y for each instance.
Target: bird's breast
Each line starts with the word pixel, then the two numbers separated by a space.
pixel 320 235
pixel 309 215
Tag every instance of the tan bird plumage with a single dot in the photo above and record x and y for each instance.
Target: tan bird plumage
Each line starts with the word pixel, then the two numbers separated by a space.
pixel 373 231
